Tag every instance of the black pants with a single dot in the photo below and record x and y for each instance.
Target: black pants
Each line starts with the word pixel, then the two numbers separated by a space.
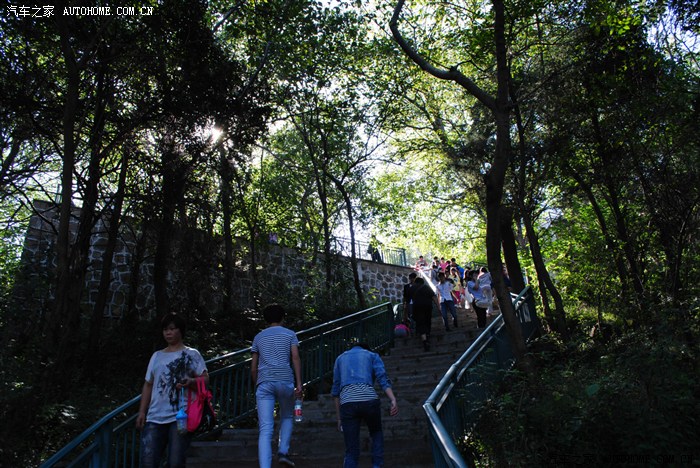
pixel 480 315
pixel 422 314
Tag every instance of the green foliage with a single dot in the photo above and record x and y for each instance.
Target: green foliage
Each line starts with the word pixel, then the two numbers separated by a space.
pixel 10 254
pixel 629 401
pixel 322 121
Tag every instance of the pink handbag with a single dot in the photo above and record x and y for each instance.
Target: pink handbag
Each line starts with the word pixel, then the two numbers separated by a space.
pixel 201 417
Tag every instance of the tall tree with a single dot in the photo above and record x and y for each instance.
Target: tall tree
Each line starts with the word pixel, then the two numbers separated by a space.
pixel 495 177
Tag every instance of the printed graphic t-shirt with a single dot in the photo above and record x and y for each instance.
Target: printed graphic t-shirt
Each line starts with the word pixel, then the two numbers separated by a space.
pixel 164 371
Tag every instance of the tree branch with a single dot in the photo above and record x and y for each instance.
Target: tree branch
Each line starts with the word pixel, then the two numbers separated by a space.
pixel 451 74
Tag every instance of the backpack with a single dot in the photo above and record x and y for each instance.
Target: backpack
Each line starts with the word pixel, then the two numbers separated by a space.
pixel 401 330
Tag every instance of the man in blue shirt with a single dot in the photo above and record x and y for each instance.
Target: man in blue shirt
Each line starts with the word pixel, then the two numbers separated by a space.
pixel 356 400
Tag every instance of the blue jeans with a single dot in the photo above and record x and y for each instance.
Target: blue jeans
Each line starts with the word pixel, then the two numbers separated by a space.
pixel 154 438
pixel 351 417
pixel 444 307
pixel 266 395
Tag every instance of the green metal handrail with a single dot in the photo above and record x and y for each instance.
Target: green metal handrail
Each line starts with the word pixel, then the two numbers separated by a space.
pixel 450 407
pixel 113 441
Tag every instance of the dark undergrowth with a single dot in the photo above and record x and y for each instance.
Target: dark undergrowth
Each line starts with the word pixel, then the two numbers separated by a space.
pixel 632 400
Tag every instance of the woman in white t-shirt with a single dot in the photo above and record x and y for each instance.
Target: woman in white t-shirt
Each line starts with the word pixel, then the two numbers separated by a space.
pixel 447 304
pixel 170 371
pixel 484 279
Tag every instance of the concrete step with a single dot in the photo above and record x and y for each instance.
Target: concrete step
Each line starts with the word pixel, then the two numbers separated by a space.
pixel 317 443
pixel 398 452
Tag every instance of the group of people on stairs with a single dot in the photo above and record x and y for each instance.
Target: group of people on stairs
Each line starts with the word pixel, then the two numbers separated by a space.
pixel 276 375
pixel 442 285
pixel 276 371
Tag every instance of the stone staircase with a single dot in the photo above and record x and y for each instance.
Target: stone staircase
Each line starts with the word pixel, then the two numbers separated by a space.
pixel 317 443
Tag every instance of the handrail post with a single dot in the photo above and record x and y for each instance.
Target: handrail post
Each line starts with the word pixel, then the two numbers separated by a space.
pixel 360 331
pixel 391 323
pixel 319 369
pixel 101 457
pixel 497 350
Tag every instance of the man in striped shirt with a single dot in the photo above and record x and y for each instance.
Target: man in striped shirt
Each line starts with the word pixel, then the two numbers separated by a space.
pixel 356 400
pixel 276 372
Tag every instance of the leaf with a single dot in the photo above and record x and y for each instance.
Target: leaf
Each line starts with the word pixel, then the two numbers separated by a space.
pixel 592 389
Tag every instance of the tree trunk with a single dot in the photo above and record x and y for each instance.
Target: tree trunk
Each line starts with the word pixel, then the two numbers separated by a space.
pixel 140 243
pixel 8 161
pixel 327 256
pixel 613 200
pixel 74 259
pixel 63 301
pixel 495 178
pixel 70 342
pixel 253 262
pixel 106 272
pixel 228 238
pixel 353 255
pixel 559 316
pixel 558 319
pixel 510 251
pixel 173 186
pixel 672 218
pixel 602 223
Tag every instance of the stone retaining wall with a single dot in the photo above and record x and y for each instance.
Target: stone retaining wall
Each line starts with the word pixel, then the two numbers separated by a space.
pixel 195 270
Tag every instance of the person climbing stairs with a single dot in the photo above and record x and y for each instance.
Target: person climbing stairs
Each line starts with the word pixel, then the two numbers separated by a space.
pixel 316 441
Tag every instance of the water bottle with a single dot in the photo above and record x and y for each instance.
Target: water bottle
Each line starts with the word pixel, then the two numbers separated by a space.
pixel 297 411
pixel 181 418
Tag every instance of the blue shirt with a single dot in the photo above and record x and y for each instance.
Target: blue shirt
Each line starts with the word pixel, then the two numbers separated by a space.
pixel 472 288
pixel 358 367
pixel 445 289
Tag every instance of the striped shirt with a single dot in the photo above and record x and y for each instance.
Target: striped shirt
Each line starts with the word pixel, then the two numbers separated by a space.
pixel 357 392
pixel 274 347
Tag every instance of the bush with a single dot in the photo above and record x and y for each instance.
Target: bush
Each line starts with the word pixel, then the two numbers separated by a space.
pixel 632 402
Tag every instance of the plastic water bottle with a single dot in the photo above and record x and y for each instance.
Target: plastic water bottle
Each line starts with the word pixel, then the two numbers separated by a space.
pixel 181 418
pixel 297 411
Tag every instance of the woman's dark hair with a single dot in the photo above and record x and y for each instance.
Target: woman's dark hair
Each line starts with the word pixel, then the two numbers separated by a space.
pixel 419 281
pixel 173 319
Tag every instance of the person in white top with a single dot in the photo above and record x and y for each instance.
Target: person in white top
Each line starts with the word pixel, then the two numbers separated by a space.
pixel 485 286
pixel 170 371
pixel 447 303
